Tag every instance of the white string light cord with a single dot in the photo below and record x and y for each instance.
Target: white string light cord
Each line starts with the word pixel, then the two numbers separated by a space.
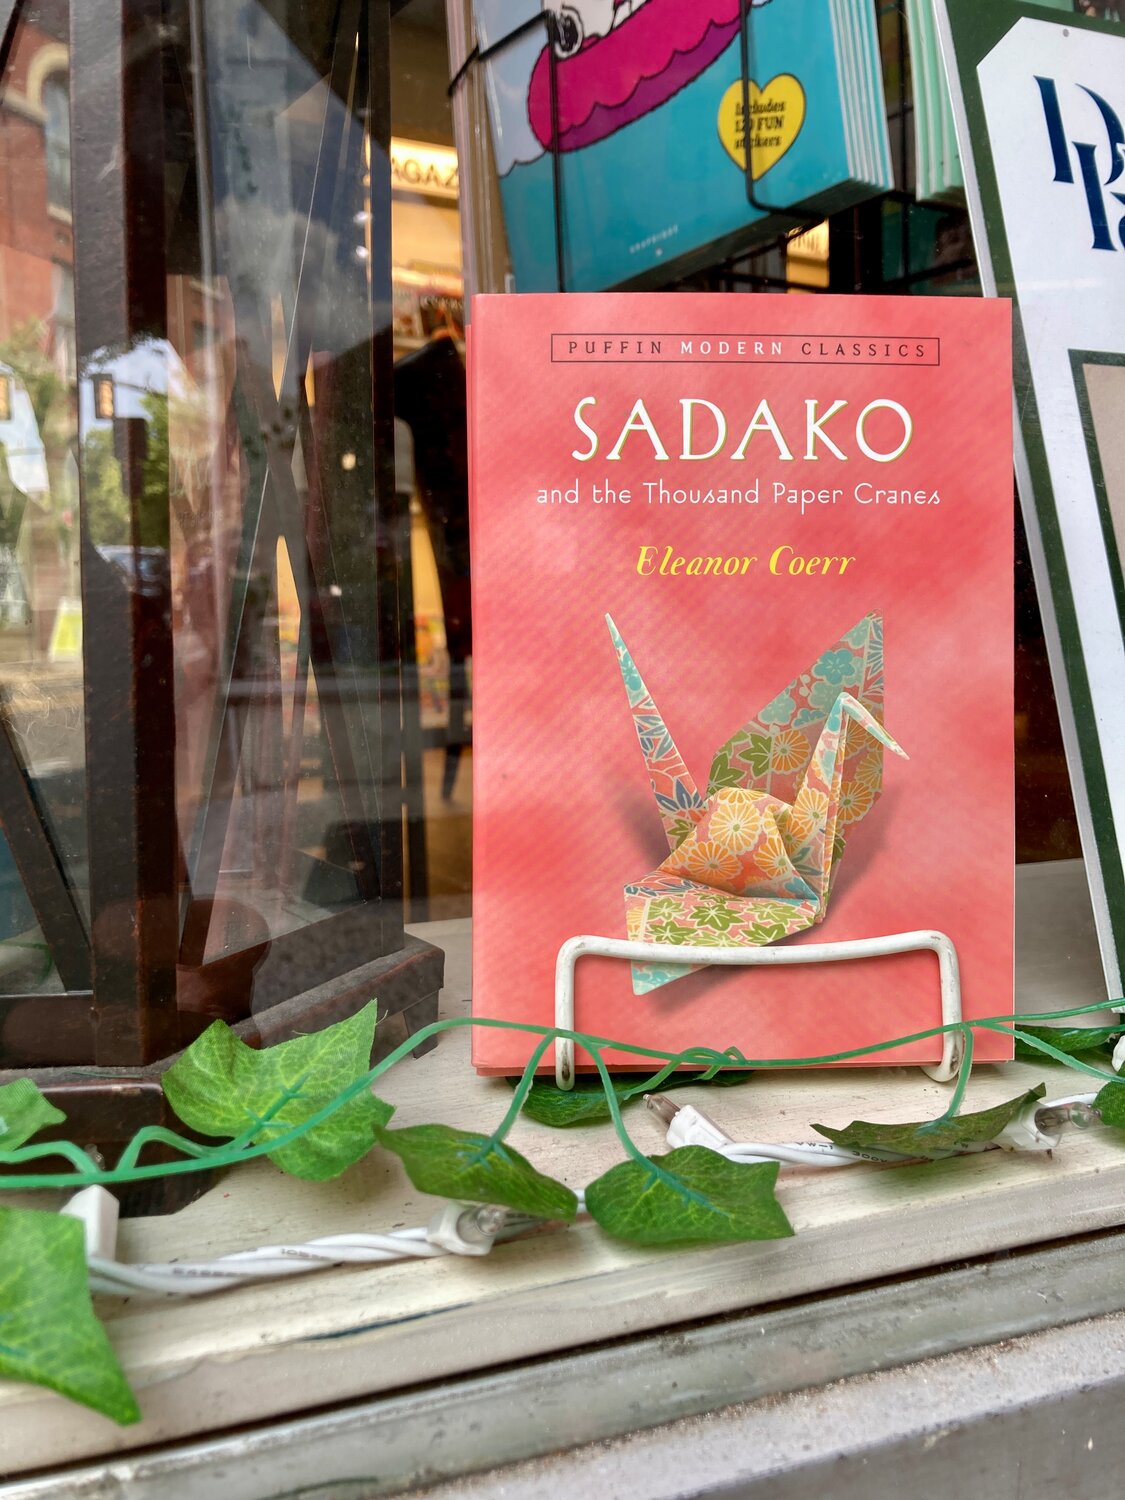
pixel 456 1229
pixel 472 1229
pixel 1037 1128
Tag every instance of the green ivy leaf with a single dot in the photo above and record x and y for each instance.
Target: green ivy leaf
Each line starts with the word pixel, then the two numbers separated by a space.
pixel 690 1194
pixel 460 1164
pixel 49 1333
pixel 1110 1104
pixel 586 1102
pixel 931 1138
pixel 23 1111
pixel 222 1087
pixel 1073 1040
pixel 727 1078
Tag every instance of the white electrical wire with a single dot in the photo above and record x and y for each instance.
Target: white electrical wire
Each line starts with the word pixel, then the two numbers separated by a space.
pixel 824 1154
pixel 793 1153
pixel 457 1229
pixel 191 1278
pixel 688 1126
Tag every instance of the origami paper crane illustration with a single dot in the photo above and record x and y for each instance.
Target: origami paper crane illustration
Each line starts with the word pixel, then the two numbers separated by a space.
pixel 753 861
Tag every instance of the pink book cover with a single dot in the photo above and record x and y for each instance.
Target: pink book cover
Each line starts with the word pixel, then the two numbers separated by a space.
pixel 742 670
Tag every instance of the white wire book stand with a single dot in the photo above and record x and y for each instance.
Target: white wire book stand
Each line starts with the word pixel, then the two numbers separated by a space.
pixel 808 953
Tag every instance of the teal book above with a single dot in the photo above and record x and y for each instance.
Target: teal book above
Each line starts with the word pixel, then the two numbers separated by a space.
pixel 623 124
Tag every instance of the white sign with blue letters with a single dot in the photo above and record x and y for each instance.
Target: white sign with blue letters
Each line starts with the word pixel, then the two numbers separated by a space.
pixel 1039 101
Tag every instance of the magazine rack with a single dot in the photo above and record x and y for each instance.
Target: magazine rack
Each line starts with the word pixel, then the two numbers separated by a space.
pixel 811 953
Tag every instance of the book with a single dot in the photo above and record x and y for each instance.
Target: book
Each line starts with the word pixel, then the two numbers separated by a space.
pixel 937 163
pixel 622 123
pixel 734 559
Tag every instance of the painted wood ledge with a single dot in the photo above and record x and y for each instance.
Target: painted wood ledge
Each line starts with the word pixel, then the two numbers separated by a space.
pixel 276 1349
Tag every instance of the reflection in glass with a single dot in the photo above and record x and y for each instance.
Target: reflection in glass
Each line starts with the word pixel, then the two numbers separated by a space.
pixel 209 772
pixel 56 107
pixel 41 706
pixel 271 489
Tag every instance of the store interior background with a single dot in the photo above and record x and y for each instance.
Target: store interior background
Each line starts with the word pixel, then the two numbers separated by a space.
pixel 891 244
pixel 888 244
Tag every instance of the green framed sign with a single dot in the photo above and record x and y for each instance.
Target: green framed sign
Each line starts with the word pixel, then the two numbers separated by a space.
pixel 1039 104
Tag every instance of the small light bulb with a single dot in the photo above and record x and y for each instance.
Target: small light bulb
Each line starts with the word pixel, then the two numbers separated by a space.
pixel 490 1218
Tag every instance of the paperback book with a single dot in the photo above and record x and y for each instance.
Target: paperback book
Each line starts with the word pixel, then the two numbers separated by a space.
pixel 937 162
pixel 742 579
pixel 622 125
pixel 937 165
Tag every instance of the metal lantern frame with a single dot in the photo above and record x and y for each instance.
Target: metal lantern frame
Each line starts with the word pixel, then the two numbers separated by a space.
pixel 141 72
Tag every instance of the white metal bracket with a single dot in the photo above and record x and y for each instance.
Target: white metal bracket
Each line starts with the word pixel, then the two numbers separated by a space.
pixel 808 953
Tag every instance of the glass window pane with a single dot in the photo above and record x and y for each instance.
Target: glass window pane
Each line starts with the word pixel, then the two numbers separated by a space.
pixel 266 419
pixel 56 107
pixel 41 683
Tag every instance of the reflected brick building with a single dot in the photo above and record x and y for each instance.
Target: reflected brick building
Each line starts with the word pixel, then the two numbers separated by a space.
pixel 36 236
pixel 38 406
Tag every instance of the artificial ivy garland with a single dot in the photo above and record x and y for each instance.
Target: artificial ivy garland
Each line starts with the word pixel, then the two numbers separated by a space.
pixel 308 1105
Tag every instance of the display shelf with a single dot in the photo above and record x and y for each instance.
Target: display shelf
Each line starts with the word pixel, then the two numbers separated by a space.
pixel 278 1349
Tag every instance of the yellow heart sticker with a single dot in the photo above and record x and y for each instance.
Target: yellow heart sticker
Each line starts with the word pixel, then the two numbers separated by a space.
pixel 777 112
